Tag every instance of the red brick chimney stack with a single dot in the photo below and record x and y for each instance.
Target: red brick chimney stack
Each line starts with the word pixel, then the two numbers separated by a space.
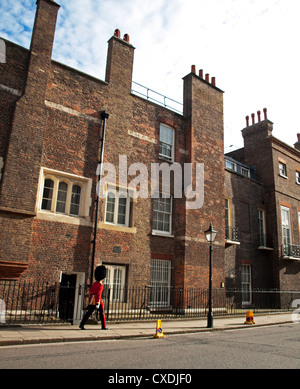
pixel 207 78
pixel 119 65
pixel 258 117
pixel 19 190
pixel 297 144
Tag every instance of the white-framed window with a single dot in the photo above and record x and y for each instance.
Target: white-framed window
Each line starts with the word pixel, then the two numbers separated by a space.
pixel 117 207
pixel 282 169
pixel 166 143
pixel 64 194
pixel 261 228
pixel 162 215
pixel 245 172
pixel 230 165
pixel 297 177
pixel 286 227
pixel 160 282
pixel 115 282
pixel 246 284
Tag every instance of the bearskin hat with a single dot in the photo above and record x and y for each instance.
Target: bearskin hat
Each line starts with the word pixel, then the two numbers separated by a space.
pixel 100 273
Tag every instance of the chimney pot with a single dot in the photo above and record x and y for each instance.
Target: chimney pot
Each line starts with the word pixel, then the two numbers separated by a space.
pixel 193 68
pixel 265 113
pixel 298 136
pixel 258 115
pixel 207 77
pixel 213 81
pixel 247 121
pixel 253 118
pixel 201 73
pixel 126 38
pixel 117 33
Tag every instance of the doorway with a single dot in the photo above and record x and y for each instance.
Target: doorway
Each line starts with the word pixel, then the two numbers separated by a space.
pixel 71 296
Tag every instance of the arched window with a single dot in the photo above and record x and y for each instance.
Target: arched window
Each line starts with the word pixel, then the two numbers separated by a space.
pixel 47 194
pixel 75 200
pixel 62 193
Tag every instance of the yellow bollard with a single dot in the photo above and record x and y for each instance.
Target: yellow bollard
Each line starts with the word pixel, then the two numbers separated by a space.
pixel 249 318
pixel 159 331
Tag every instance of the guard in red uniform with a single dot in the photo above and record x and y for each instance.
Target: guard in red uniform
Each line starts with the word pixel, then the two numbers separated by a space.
pixel 95 300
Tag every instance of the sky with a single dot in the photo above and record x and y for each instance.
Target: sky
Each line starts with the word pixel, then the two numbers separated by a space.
pixel 250 46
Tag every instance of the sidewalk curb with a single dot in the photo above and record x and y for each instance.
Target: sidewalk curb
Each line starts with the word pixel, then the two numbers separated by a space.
pixel 20 341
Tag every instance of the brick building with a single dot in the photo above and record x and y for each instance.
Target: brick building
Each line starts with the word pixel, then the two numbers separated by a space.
pixel 51 133
pixel 52 121
pixel 262 198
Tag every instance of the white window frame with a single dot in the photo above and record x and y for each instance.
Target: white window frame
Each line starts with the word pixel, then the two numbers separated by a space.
pixel 282 169
pixel 159 202
pixel 246 282
pixel 230 165
pixel 160 282
pixel 286 226
pixel 115 280
pixel 118 193
pixel 71 180
pixel 163 142
pixel 298 177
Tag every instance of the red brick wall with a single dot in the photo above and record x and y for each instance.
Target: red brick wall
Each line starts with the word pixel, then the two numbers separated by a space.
pixel 57 125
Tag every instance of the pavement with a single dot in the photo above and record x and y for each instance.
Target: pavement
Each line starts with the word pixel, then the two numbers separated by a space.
pixel 58 333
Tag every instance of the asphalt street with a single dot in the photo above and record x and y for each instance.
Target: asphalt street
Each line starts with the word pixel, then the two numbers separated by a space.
pixel 268 347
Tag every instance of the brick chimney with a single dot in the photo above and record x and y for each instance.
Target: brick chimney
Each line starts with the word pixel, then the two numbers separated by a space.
pixel 203 114
pixel 119 63
pixel 256 140
pixel 23 159
pixel 41 47
pixel 297 144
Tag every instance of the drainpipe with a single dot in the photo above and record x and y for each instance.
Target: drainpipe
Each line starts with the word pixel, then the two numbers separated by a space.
pixel 104 116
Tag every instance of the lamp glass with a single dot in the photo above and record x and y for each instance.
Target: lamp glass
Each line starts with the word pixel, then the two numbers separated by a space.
pixel 210 234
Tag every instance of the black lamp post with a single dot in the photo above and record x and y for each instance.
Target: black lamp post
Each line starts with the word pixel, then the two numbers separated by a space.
pixel 210 236
pixel 104 116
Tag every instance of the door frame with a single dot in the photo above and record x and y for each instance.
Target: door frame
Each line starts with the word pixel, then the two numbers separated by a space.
pixel 78 295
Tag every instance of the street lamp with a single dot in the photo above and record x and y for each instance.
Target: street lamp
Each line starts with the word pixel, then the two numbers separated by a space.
pixel 104 116
pixel 210 236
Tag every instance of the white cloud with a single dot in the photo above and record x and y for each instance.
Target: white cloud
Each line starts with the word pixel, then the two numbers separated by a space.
pixel 250 46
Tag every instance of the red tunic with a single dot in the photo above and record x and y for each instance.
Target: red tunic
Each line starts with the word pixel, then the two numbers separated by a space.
pixel 96 293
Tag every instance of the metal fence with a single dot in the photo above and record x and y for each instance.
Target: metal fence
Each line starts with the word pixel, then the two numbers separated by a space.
pixel 39 302
pixel 24 302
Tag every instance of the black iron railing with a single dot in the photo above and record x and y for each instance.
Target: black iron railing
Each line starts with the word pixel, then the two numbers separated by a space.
pixel 23 302
pixel 232 234
pixel 291 250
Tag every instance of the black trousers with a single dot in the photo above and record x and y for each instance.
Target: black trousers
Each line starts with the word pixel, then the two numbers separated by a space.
pixel 90 310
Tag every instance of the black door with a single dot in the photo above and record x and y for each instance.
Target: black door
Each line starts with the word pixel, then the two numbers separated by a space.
pixel 67 296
